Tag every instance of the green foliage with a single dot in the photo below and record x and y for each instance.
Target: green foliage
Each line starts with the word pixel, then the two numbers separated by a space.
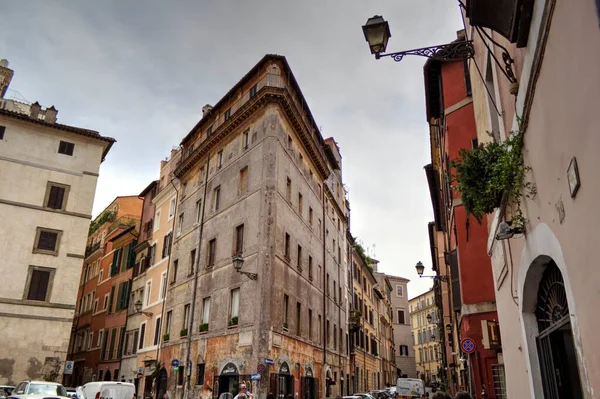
pixel 166 337
pixel 106 216
pixel 363 255
pixel 233 321
pixel 156 370
pixel 483 174
pixel 183 332
pixel 203 327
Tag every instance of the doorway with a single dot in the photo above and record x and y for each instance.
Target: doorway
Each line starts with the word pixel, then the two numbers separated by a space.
pixel 555 346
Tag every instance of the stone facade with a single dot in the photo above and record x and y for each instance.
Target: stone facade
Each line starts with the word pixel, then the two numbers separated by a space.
pixel 47 186
pixel 424 316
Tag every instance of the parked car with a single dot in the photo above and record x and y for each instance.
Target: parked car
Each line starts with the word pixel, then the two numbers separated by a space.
pixel 351 397
pixel 5 391
pixel 35 389
pixel 364 395
pixel 72 393
pixel 106 389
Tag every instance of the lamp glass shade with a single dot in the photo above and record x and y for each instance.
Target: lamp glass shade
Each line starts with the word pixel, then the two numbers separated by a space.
pixel 429 318
pixel 377 33
pixel 420 268
pixel 138 305
pixel 238 262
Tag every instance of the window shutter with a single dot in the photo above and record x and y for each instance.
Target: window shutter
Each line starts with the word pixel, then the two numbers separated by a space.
pixel 47 240
pixel 56 197
pixel 38 285
pixel 113 266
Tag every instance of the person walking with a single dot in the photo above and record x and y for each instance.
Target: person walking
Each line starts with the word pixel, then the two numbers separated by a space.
pixel 463 395
pixel 243 394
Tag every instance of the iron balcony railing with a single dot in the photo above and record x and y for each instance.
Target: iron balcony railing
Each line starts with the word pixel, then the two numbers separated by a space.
pixel 124 221
pixel 90 249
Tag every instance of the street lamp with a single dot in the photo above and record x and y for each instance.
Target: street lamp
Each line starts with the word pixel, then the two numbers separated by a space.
pixel 420 269
pixel 377 34
pixel 238 262
pixel 429 318
pixel 138 309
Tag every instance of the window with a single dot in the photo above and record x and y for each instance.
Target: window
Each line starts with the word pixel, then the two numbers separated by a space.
pixel 148 288
pixel 183 190
pixel 310 267
pixel 212 250
pixel 186 316
pixel 310 324
pixel 217 197
pixel 287 246
pixel 169 319
pixel 399 291
pixel 319 328
pixel 228 114
pixel 205 310
pixel 239 239
pixel 174 272
pixel 105 304
pixel 327 282
pixel 335 336
pixel 245 138
pixel 171 208
pixel 310 216
pixel 192 260
pixel 403 350
pixel 474 143
pixel 235 303
pixel 179 224
pixel 289 142
pixel 319 228
pixel 253 90
pixel 157 220
pixel 180 375
pixel 157 331
pixel 47 241
pixel 334 291
pixel 243 181
pixel 201 175
pixel 2 129
pixel 142 335
pixel 66 148
pixel 220 159
pixel 56 196
pixel 288 189
pixel 299 257
pixel 286 302
pixel 39 284
pixel 300 204
pixel 209 131
pixel 198 210
pixel 401 319
pixel 327 332
pixel 298 317
pixel 200 374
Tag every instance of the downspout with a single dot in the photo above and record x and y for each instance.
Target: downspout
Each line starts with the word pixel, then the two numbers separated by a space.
pixel 195 291
pixel 162 312
pixel 324 330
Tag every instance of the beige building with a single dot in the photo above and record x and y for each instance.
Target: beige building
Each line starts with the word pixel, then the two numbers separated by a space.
pixel 424 316
pixel 546 280
pixel 389 371
pixel 405 354
pixel 48 180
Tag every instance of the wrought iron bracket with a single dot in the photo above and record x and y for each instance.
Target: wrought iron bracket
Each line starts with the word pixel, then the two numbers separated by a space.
pixel 507 60
pixel 440 278
pixel 455 51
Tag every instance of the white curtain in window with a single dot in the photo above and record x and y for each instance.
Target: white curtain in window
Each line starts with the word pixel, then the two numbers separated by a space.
pixel 206 311
pixel 235 302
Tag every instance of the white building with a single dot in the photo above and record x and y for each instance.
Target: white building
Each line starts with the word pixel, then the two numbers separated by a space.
pixel 48 176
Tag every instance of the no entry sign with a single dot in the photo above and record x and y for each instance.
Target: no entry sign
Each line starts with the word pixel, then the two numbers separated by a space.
pixel 467 345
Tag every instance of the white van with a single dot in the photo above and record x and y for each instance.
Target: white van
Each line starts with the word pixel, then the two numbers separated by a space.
pixel 409 388
pixel 107 390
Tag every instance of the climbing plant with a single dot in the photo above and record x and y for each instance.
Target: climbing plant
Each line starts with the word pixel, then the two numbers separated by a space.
pixel 106 216
pixel 486 173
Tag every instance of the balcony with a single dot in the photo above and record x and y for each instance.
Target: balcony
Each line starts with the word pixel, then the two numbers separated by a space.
pixel 269 87
pixel 90 249
pixel 123 222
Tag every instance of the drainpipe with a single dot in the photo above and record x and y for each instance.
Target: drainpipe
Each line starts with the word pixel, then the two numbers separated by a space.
pixel 195 291
pixel 324 332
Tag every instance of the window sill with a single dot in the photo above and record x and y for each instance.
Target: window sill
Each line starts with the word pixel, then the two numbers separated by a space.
pixel 44 252
pixel 232 327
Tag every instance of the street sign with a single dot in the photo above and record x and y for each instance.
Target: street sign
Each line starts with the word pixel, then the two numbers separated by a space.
pixel 175 368
pixel 269 362
pixel 69 367
pixel 467 345
pixel 255 377
pixel 140 371
pixel 261 368
pixel 175 363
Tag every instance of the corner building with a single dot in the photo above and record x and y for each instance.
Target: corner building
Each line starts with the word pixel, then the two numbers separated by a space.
pixel 257 180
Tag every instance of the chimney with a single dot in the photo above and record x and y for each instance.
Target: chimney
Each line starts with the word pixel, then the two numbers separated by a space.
pixel 206 109
pixel 34 110
pixel 51 114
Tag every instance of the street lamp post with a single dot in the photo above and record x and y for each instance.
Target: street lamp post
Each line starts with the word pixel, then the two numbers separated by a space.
pixel 238 262
pixel 377 34
pixel 420 269
pixel 138 309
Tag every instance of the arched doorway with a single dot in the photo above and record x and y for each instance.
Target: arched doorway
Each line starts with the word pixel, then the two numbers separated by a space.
pixel 555 346
pixel 228 380
pixel 107 376
pixel 161 386
pixel 282 383
pixel 309 385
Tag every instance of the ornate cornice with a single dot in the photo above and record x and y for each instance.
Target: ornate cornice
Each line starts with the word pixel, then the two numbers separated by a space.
pixel 266 95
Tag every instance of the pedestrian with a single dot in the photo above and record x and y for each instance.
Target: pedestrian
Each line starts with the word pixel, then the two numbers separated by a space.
pixel 243 394
pixel 463 395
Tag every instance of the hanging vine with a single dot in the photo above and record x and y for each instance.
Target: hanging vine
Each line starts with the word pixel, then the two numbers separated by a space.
pixel 486 173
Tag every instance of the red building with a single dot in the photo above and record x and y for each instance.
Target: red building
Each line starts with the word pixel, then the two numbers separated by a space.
pixel 451 118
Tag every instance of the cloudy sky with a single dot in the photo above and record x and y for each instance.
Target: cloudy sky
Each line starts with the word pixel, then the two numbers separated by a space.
pixel 140 71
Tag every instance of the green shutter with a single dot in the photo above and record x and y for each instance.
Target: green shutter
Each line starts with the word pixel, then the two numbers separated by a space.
pixel 131 254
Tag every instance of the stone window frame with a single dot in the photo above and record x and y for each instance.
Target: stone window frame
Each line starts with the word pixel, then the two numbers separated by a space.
pixel 36 250
pixel 50 283
pixel 49 186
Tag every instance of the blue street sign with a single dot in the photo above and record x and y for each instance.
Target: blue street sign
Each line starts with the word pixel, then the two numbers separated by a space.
pixel 255 377
pixel 269 362
pixel 175 363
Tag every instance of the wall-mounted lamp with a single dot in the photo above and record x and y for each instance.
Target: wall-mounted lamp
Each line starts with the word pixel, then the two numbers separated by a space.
pixel 506 230
pixel 238 262
pixel 377 34
pixel 138 309
pixel 420 269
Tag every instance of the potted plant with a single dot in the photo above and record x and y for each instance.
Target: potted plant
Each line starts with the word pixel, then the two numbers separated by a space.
pixel 183 332
pixel 166 337
pixel 233 322
pixel 486 174
pixel 203 327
